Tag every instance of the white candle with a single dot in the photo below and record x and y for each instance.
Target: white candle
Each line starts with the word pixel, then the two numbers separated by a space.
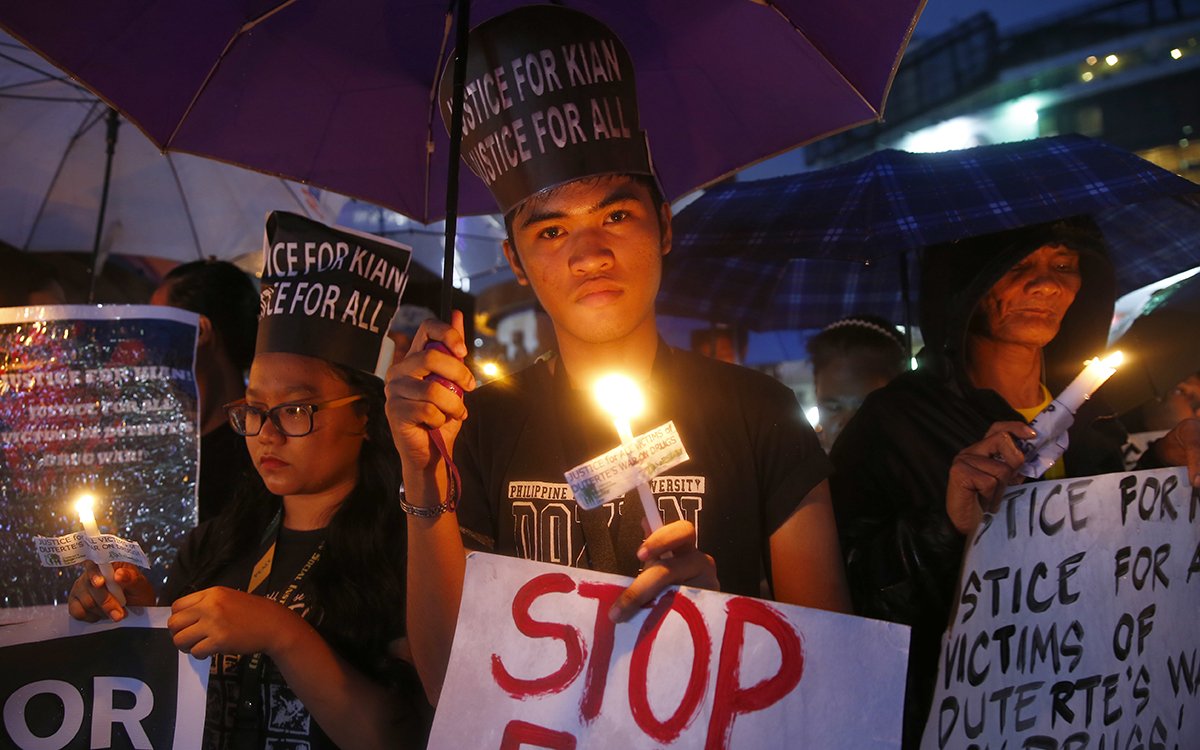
pixel 1052 423
pixel 1094 375
pixel 621 398
pixel 84 507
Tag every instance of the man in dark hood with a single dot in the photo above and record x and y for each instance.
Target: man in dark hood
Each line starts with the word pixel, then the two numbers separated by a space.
pixel 1008 319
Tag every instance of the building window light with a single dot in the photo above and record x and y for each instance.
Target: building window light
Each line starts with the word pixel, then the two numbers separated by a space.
pixel 1112 60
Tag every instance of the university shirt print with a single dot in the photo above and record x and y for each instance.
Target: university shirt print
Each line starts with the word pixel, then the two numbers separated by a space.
pixel 547 525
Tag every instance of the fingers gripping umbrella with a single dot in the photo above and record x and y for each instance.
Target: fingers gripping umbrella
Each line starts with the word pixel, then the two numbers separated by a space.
pixel 342 95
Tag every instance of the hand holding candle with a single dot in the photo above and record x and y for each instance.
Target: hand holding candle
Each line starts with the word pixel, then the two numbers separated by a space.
pixel 83 506
pixel 1052 423
pixel 621 398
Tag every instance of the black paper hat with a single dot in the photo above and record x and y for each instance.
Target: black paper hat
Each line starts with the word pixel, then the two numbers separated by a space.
pixel 329 292
pixel 549 98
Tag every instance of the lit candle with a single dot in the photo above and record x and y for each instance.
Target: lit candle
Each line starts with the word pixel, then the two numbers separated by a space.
pixel 1052 423
pixel 83 506
pixel 623 400
pixel 1094 374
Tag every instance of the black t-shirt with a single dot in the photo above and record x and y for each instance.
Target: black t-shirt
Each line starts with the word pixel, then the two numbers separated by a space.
pixel 752 460
pixel 284 720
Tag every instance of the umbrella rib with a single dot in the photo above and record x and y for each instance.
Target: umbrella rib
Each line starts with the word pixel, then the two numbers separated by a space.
pixel 891 74
pixel 84 125
pixel 217 64
pixel 187 209
pixel 46 76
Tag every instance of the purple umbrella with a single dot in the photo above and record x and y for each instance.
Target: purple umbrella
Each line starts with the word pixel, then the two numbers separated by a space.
pixel 340 95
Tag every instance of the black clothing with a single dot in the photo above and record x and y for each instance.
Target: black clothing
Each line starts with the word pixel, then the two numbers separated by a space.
pixel 223 461
pixel 752 460
pixel 283 719
pixel 892 462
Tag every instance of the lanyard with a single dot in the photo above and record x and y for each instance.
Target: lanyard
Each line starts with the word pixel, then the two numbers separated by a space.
pixel 246 726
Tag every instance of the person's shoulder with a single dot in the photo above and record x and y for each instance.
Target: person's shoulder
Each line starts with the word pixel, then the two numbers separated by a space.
pixel 512 388
pixel 736 379
pixel 505 401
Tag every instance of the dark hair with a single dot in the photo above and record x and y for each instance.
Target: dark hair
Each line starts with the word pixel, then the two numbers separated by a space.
pixel 359 585
pixel 645 180
pixel 23 275
pixel 871 337
pixel 223 293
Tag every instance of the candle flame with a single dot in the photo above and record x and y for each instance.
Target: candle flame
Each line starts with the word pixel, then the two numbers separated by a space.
pixel 83 505
pixel 1111 362
pixel 619 396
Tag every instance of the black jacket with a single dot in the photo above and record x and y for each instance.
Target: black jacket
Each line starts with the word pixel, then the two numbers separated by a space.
pixel 892 462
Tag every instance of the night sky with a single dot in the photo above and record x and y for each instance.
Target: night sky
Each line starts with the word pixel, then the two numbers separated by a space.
pixel 940 15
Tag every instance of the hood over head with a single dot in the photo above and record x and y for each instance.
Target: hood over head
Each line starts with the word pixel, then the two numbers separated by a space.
pixel 956 275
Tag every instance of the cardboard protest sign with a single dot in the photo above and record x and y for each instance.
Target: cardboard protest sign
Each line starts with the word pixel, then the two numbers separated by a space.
pixel 74 685
pixel 537 663
pixel 99 399
pixel 1076 623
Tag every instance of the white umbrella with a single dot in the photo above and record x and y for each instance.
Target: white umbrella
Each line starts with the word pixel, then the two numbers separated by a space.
pixel 53 157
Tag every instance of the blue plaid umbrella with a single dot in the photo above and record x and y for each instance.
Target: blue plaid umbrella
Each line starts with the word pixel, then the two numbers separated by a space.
pixel 769 295
pixel 805 249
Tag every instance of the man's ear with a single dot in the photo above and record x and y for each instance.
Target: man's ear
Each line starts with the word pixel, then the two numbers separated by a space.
pixel 514 262
pixel 206 332
pixel 664 221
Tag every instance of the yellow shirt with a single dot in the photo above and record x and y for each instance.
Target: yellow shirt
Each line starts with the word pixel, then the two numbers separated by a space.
pixel 1058 470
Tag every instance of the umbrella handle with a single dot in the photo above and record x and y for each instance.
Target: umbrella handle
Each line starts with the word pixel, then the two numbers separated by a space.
pixel 439 346
pixel 453 481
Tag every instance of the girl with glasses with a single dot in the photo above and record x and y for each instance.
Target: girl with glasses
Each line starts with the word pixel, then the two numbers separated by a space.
pixel 297 589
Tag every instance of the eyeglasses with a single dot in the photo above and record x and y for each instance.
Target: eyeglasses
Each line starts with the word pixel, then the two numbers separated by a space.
pixel 292 420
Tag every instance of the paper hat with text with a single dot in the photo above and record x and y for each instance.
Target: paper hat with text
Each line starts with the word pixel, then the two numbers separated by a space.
pixel 329 292
pixel 549 98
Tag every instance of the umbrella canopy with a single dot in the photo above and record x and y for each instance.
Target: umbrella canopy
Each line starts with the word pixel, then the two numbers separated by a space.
pixel 53 147
pixel 827 243
pixel 341 95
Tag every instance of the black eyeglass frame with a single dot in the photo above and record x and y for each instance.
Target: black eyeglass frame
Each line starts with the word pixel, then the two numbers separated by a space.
pixel 273 414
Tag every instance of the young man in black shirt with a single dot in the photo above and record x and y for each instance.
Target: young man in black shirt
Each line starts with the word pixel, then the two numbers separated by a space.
pixel 588 230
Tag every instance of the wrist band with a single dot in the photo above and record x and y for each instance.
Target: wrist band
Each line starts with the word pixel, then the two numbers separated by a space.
pixel 421 511
pixel 453 486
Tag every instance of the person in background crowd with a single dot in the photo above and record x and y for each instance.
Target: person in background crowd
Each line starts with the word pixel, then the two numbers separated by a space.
pixel 1182 402
pixel 227 302
pixel 723 344
pixel 27 280
pixel 1153 419
pixel 852 357
pixel 295 587
pixel 1008 320
pixel 587 230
